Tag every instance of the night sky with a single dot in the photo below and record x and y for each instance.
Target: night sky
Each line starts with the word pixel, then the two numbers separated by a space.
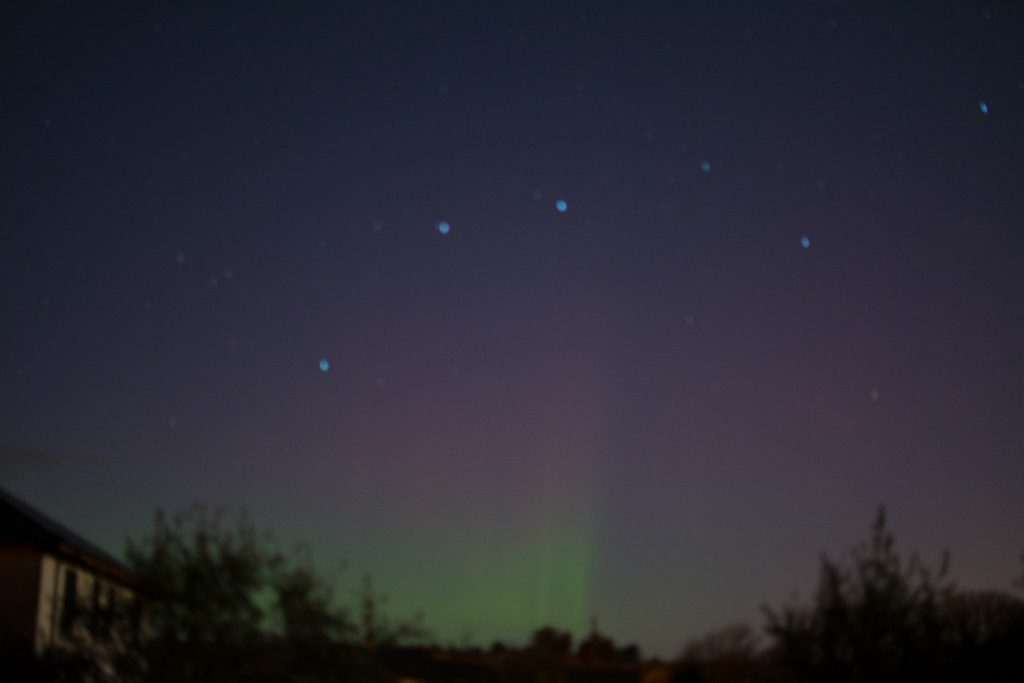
pixel 535 312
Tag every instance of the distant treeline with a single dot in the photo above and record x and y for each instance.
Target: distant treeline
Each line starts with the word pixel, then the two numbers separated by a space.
pixel 221 602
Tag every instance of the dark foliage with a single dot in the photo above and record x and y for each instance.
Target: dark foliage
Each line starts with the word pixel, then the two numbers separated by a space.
pixel 728 655
pixel 223 603
pixel 879 618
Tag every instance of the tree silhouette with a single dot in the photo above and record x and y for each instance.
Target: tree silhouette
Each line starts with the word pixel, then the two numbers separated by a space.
pixel 376 630
pixel 878 618
pixel 597 648
pixel 727 655
pixel 737 641
pixel 223 603
pixel 550 643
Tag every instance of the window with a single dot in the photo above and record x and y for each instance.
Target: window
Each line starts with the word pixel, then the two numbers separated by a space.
pixel 136 618
pixel 69 605
pixel 110 614
pixel 95 617
pixel 104 604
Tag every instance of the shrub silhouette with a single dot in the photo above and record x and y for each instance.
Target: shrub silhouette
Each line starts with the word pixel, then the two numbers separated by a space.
pixel 223 603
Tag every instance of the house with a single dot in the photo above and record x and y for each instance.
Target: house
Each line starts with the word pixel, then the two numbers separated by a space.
pixel 57 590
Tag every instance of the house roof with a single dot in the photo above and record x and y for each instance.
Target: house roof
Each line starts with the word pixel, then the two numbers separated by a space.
pixel 21 524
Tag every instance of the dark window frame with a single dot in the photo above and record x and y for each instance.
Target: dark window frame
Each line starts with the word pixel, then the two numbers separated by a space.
pixel 69 603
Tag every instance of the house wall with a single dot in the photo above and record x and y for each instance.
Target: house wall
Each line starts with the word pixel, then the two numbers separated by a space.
pixel 90 606
pixel 19 586
pixel 47 605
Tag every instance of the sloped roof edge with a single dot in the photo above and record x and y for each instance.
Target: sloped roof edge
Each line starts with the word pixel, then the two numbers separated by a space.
pixel 22 524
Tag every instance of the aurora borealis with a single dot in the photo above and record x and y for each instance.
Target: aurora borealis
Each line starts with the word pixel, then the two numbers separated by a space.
pixel 536 312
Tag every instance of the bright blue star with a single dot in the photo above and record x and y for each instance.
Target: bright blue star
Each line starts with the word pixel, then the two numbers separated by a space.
pixel 705 166
pixel 983 106
pixel 443 227
pixel 805 242
pixel 325 365
pixel 561 206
